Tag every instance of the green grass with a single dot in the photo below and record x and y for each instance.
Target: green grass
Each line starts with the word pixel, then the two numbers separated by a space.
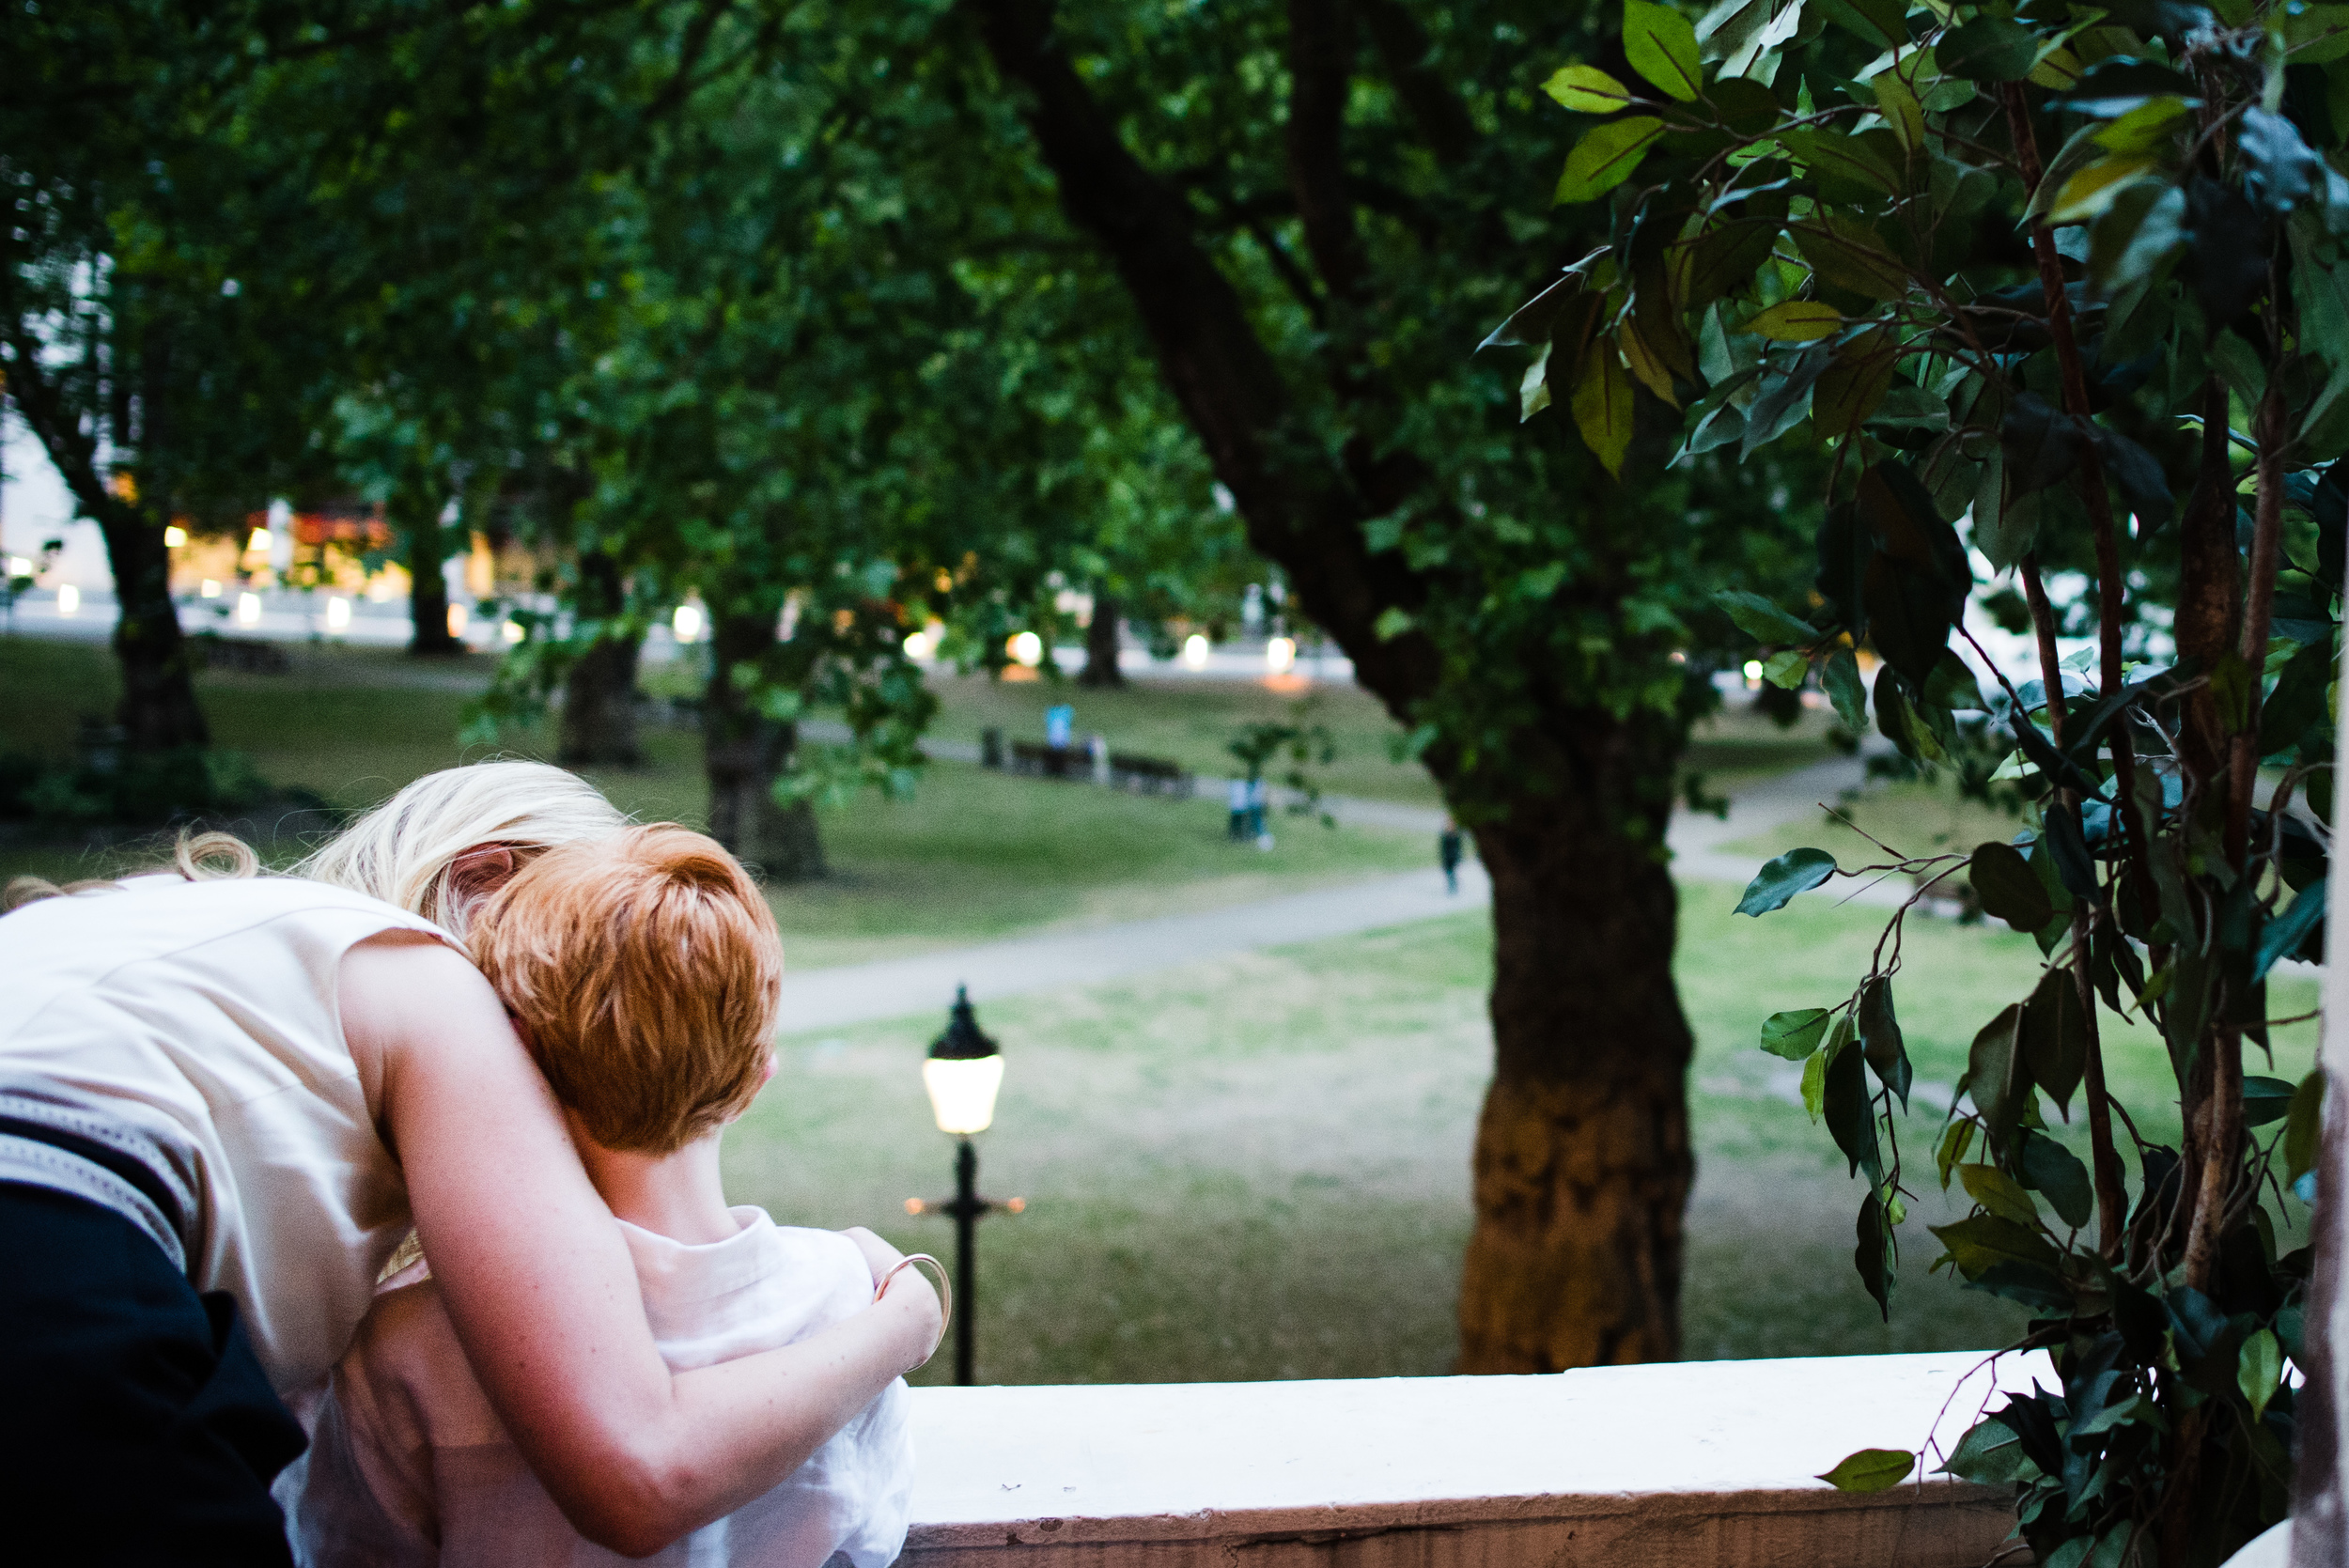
pixel 972 856
pixel 1915 819
pixel 1257 1167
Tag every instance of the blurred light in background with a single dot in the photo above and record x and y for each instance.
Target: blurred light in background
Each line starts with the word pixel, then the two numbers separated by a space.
pixel 1279 655
pixel 1195 651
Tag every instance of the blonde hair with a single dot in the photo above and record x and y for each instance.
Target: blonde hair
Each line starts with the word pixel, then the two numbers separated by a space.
pixel 646 972
pixel 404 852
pixel 192 857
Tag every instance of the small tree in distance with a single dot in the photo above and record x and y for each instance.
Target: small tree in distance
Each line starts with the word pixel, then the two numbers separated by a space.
pixel 2060 270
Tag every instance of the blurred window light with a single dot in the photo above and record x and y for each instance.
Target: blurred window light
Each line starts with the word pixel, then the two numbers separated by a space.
pixel 1754 669
pixel 175 537
pixel 260 540
pixel 1027 647
pixel 210 587
pixel 687 623
pixel 513 631
pixel 1195 651
pixel 337 614
pixel 248 609
pixel 1279 655
pixel 69 599
pixel 458 618
pixel 918 646
pixel 20 567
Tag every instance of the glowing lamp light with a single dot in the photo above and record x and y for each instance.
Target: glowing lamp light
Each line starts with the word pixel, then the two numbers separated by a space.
pixel 1279 655
pixel 458 616
pixel 175 537
pixel 962 1073
pixel 918 646
pixel 337 614
pixel 512 633
pixel 69 599
pixel 1754 669
pixel 20 567
pixel 1027 647
pixel 686 622
pixel 248 609
pixel 259 541
pixel 210 587
pixel 1195 651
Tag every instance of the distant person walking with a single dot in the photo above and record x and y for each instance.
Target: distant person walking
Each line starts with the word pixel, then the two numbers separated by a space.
pixel 1448 854
pixel 1236 795
pixel 1258 794
pixel 1060 726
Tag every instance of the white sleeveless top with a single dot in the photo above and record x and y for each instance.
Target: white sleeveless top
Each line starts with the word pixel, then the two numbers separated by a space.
pixel 194 1025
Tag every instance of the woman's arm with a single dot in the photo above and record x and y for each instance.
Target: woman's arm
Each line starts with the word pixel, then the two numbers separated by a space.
pixel 542 1293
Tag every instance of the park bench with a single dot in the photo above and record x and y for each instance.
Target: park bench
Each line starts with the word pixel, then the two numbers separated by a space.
pixel 244 655
pixel 1149 775
pixel 1050 762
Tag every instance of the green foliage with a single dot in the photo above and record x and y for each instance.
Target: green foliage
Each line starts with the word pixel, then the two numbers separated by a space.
pixel 2041 275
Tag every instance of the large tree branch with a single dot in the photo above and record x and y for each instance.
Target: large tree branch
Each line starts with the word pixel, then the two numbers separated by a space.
pixel 1321 68
pixel 1301 515
pixel 1401 46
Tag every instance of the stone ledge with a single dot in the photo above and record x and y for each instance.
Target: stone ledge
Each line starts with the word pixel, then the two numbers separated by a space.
pixel 1703 1462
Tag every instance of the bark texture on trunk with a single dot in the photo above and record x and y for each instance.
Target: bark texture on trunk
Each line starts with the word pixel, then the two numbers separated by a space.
pixel 744 753
pixel 427 589
pixel 158 711
pixel 1582 1159
pixel 1101 644
pixel 1582 1164
pixel 599 726
pixel 599 696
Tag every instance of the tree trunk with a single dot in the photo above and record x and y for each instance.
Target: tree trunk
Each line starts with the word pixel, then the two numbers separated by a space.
pixel 427 590
pixel 599 726
pixel 158 711
pixel 599 697
pixel 1583 1163
pixel 1101 644
pixel 744 753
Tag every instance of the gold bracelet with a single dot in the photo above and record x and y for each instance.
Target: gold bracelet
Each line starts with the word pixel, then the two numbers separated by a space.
pixel 945 1295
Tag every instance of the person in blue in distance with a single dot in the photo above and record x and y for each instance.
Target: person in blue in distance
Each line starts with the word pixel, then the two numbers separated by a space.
pixel 1059 725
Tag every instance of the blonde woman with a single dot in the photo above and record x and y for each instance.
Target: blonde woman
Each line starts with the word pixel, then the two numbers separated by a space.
pixel 223 1100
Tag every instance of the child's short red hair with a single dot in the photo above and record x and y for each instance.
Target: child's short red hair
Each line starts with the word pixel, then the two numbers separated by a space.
pixel 646 970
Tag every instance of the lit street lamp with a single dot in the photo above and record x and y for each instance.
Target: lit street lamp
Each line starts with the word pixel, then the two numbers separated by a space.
pixel 962 1074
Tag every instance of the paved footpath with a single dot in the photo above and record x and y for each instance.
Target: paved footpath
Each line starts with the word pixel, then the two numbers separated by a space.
pixel 816 1000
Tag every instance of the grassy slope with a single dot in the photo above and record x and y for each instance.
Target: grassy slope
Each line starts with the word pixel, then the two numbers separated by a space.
pixel 1258 1167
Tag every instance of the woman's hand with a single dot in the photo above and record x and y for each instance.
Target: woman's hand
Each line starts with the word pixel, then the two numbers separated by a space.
pixel 878 1255
pixel 917 1309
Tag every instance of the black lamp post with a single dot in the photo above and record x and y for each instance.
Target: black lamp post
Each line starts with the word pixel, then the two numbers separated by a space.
pixel 962 1074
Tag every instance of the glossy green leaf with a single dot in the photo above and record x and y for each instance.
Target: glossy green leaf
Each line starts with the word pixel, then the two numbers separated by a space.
pixel 1794 1034
pixel 2259 1368
pixel 1815 1075
pixel 2055 1036
pixel 1661 45
pixel 1606 156
pixel 2285 933
pixel 1988 49
pixel 2266 1099
pixel 1989 1454
pixel 2056 1173
pixel 2088 194
pixel 2314 35
pixel 1881 1041
pixel 1840 679
pixel 1795 321
pixel 1762 620
pixel 1796 871
pixel 1990 1068
pixel 1850 1110
pixel 1983 1242
pixel 1999 1192
pixel 1954 1142
pixel 1602 404
pixel 2008 887
pixel 1787 669
pixel 2304 1128
pixel 1587 90
pixel 1871 1471
pixel 1902 113
pixel 1872 1253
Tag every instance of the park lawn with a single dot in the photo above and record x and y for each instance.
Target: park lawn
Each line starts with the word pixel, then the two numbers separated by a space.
pixel 1916 817
pixel 971 856
pixel 1258 1167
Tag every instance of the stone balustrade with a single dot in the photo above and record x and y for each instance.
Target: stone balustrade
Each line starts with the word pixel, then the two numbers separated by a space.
pixel 1691 1464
